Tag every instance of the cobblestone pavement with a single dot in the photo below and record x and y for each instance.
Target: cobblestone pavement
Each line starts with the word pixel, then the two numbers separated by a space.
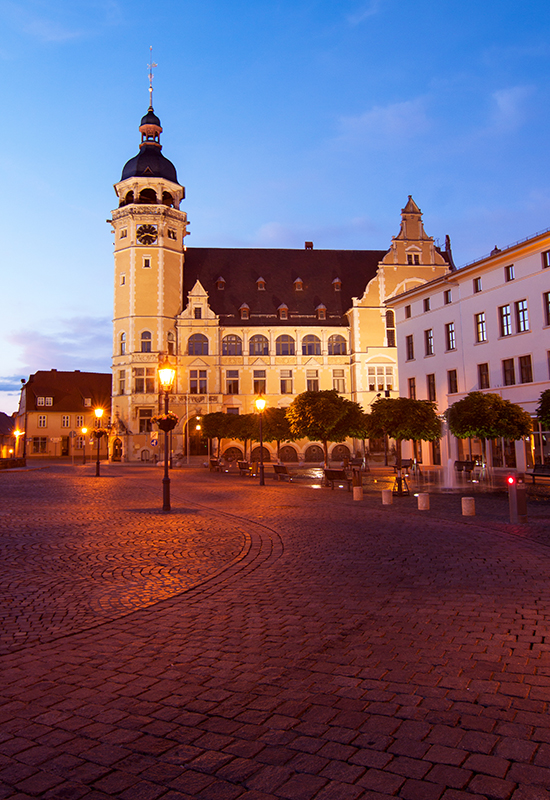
pixel 275 642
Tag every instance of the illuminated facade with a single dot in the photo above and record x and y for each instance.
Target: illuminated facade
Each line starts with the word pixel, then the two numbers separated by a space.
pixel 239 322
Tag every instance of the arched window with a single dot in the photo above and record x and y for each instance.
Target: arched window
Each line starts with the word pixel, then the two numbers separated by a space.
pixel 171 340
pixel 167 199
pixel 232 345
pixel 258 345
pixel 146 342
pixel 336 345
pixel 197 345
pixel 126 201
pixel 390 328
pixel 122 344
pixel 284 345
pixel 148 196
pixel 311 345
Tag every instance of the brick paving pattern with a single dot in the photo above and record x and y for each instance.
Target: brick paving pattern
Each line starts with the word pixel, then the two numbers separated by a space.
pixel 275 642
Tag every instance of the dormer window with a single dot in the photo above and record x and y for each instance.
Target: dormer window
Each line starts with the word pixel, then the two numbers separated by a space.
pixel 337 285
pixel 220 284
pixel 321 312
pixel 244 311
pixel 260 283
pixel 197 312
pixel 283 311
pixel 298 285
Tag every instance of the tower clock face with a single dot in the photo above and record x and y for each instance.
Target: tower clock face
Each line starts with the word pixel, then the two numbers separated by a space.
pixel 146 234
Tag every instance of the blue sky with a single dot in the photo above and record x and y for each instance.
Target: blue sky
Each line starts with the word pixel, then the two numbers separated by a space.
pixel 287 121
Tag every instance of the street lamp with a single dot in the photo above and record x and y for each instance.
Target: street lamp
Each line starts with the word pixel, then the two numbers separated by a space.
pixel 98 413
pixel 17 433
pixel 84 431
pixel 260 405
pixel 167 375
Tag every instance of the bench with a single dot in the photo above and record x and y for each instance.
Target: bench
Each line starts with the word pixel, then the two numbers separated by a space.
pixel 215 465
pixel 406 464
pixel 465 466
pixel 333 476
pixel 540 470
pixel 281 472
pixel 244 469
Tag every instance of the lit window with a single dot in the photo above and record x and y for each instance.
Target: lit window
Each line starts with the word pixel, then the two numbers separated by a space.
pixel 40 401
pixel 522 316
pixel 481 327
pixel 429 342
pixel 79 420
pixel 505 320
pixel 450 336
pixel 525 369
pixel 49 401
pixel 87 402
pixel 483 375
pixel 509 274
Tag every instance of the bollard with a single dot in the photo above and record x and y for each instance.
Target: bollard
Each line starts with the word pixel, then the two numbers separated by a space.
pixel 357 492
pixel 423 501
pixel 387 497
pixel 468 507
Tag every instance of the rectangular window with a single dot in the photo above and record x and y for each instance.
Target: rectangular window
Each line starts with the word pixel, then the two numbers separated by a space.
pixel 407 312
pixel 121 381
pixel 430 385
pixel 79 442
pixel 259 381
pixel 39 444
pixel 172 234
pixel 509 273
pixel 389 378
pixel 123 233
pixel 122 279
pixel 409 347
pixel 426 304
pixel 452 381
pixel 312 380
pixel 232 411
pixel 546 259
pixel 286 381
pixel 450 336
pixel 197 381
pixel 429 342
pixel 483 376
pixel 49 401
pixel 79 421
pixel 477 285
pixel 42 421
pixel 390 337
pixel 481 327
pixel 505 320
pixel 145 416
pixel 150 373
pixel 412 388
pixel 508 372
pixel 40 401
pixel 338 380
pixel 139 380
pixel 65 421
pixel 146 262
pixel 232 381
pixel 447 296
pixel 525 369
pixel 197 312
pixel 87 402
pixel 522 316
pixel 546 304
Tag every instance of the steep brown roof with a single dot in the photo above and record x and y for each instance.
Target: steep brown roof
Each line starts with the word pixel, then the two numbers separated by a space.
pixel 241 267
pixel 69 389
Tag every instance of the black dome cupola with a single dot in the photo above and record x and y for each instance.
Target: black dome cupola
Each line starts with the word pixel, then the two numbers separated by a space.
pixel 150 162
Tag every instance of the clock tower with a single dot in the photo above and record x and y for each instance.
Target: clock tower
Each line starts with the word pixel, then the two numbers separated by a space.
pixel 149 231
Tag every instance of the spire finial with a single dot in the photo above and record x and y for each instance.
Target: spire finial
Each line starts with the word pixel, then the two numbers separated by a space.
pixel 150 66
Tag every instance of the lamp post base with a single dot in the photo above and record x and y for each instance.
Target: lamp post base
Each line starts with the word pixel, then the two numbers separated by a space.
pixel 166 494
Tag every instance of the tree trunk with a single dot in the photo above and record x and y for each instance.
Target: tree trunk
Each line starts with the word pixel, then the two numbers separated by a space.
pixel 325 449
pixel 398 462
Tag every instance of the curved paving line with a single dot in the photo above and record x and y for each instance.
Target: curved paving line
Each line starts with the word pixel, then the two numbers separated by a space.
pixel 259 549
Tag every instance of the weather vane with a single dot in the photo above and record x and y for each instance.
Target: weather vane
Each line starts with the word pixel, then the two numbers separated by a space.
pixel 151 65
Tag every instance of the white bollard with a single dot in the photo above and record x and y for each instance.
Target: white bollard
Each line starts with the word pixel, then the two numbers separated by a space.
pixel 468 507
pixel 387 497
pixel 423 501
pixel 357 492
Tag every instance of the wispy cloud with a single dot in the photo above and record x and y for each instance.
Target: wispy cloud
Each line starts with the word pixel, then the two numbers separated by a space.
pixel 508 107
pixel 364 11
pixel 60 22
pixel 384 126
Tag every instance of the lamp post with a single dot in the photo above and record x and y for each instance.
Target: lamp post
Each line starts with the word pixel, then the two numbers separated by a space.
pixel 98 413
pixel 167 375
pixel 17 433
pixel 260 405
pixel 84 431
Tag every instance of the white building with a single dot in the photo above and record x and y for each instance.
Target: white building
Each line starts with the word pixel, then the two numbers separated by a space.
pixel 484 327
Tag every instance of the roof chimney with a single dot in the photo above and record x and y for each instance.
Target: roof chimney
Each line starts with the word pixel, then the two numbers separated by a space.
pixel 309 245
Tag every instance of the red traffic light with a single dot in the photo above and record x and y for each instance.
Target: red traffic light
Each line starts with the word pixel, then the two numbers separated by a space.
pixel 510 480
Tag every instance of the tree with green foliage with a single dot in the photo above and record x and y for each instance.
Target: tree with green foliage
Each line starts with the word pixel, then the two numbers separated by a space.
pixel 244 427
pixel 217 426
pixel 403 418
pixel 543 410
pixel 325 417
pixel 487 416
pixel 276 427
